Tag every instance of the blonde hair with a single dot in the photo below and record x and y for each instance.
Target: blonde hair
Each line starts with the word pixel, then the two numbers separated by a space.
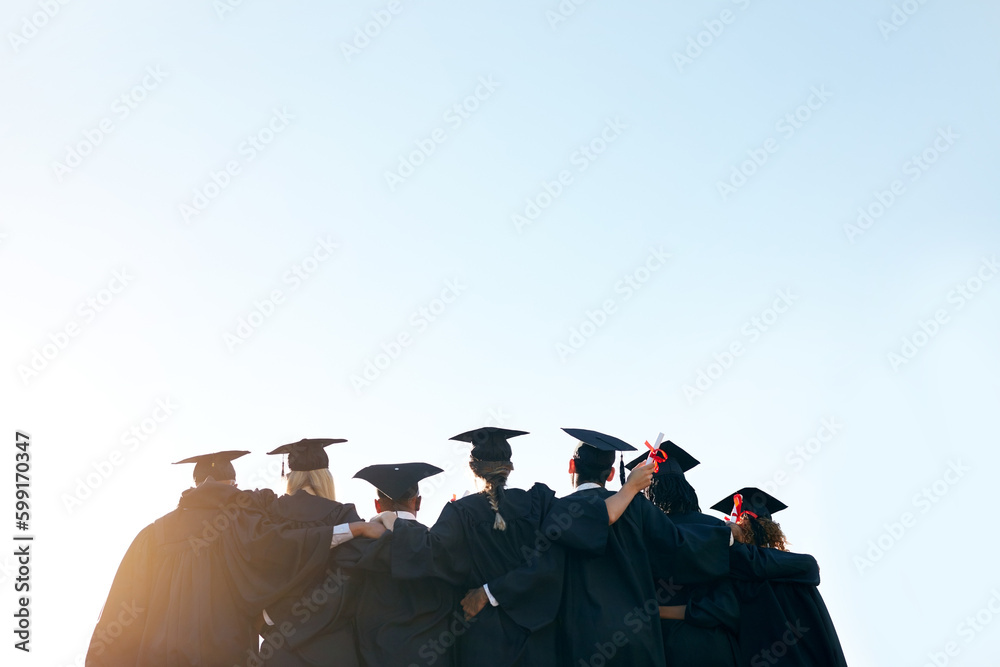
pixel 319 482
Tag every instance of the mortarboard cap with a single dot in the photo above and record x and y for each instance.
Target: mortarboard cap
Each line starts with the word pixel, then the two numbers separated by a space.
pixel 600 441
pixel 678 461
pixel 218 465
pixel 489 443
pixel 751 499
pixel 598 449
pixel 395 479
pixel 308 453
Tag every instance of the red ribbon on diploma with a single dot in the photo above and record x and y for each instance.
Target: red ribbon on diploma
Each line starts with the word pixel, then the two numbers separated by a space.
pixel 738 510
pixel 657 455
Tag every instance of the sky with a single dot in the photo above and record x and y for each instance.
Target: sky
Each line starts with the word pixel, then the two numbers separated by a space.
pixel 767 230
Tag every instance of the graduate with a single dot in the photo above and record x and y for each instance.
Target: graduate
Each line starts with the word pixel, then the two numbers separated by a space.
pixel 610 603
pixel 401 622
pixel 699 623
pixel 193 583
pixel 312 624
pixel 782 620
pixel 482 536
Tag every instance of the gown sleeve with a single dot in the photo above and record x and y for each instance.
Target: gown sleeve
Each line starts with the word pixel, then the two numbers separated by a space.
pixel 691 553
pixel 265 560
pixel 579 523
pixel 349 514
pixel 440 551
pixel 718 607
pixel 365 555
pixel 261 499
pixel 750 563
pixel 531 594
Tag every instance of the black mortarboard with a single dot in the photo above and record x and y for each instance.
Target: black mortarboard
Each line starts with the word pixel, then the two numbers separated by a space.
pixel 755 501
pixel 218 465
pixel 600 441
pixel 678 461
pixel 598 449
pixel 395 479
pixel 307 454
pixel 489 443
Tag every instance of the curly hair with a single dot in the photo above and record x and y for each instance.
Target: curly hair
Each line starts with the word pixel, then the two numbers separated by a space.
pixel 763 533
pixel 494 474
pixel 673 495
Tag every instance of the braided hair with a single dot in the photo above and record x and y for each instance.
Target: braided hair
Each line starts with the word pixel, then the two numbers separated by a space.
pixel 494 474
pixel 673 494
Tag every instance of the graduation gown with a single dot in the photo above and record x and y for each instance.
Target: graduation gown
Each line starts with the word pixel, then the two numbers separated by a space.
pixel 784 619
pixel 610 602
pixel 707 635
pixel 191 585
pixel 403 622
pixel 313 622
pixel 464 550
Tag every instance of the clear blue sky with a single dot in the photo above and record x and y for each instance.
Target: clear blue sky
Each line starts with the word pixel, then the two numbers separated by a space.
pixel 621 144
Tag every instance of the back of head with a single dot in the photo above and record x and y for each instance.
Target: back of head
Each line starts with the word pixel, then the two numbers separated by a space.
pixel 403 502
pixel 219 471
pixel 490 461
pixel 319 482
pixel 217 465
pixel 594 456
pixel 494 475
pixel 763 532
pixel 673 494
pixel 593 465
pixel 753 508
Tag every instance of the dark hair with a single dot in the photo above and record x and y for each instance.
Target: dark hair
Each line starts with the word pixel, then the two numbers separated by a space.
pixel 763 533
pixel 593 465
pixel 587 472
pixel 673 494
pixel 410 494
pixel 220 472
pixel 495 474
pixel 489 449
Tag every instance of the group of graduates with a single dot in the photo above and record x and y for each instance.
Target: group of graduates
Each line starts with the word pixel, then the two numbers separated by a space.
pixel 504 577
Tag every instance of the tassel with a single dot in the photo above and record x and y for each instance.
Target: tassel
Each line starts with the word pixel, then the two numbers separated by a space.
pixel 621 468
pixel 282 467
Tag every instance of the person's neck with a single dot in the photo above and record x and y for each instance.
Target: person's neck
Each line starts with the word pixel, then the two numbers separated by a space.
pixel 599 484
pixel 227 482
pixel 408 508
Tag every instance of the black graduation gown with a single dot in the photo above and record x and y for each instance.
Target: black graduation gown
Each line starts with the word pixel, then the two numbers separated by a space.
pixel 610 602
pixel 749 563
pixel 785 620
pixel 191 585
pixel 313 623
pixel 403 622
pixel 464 550
pixel 707 635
